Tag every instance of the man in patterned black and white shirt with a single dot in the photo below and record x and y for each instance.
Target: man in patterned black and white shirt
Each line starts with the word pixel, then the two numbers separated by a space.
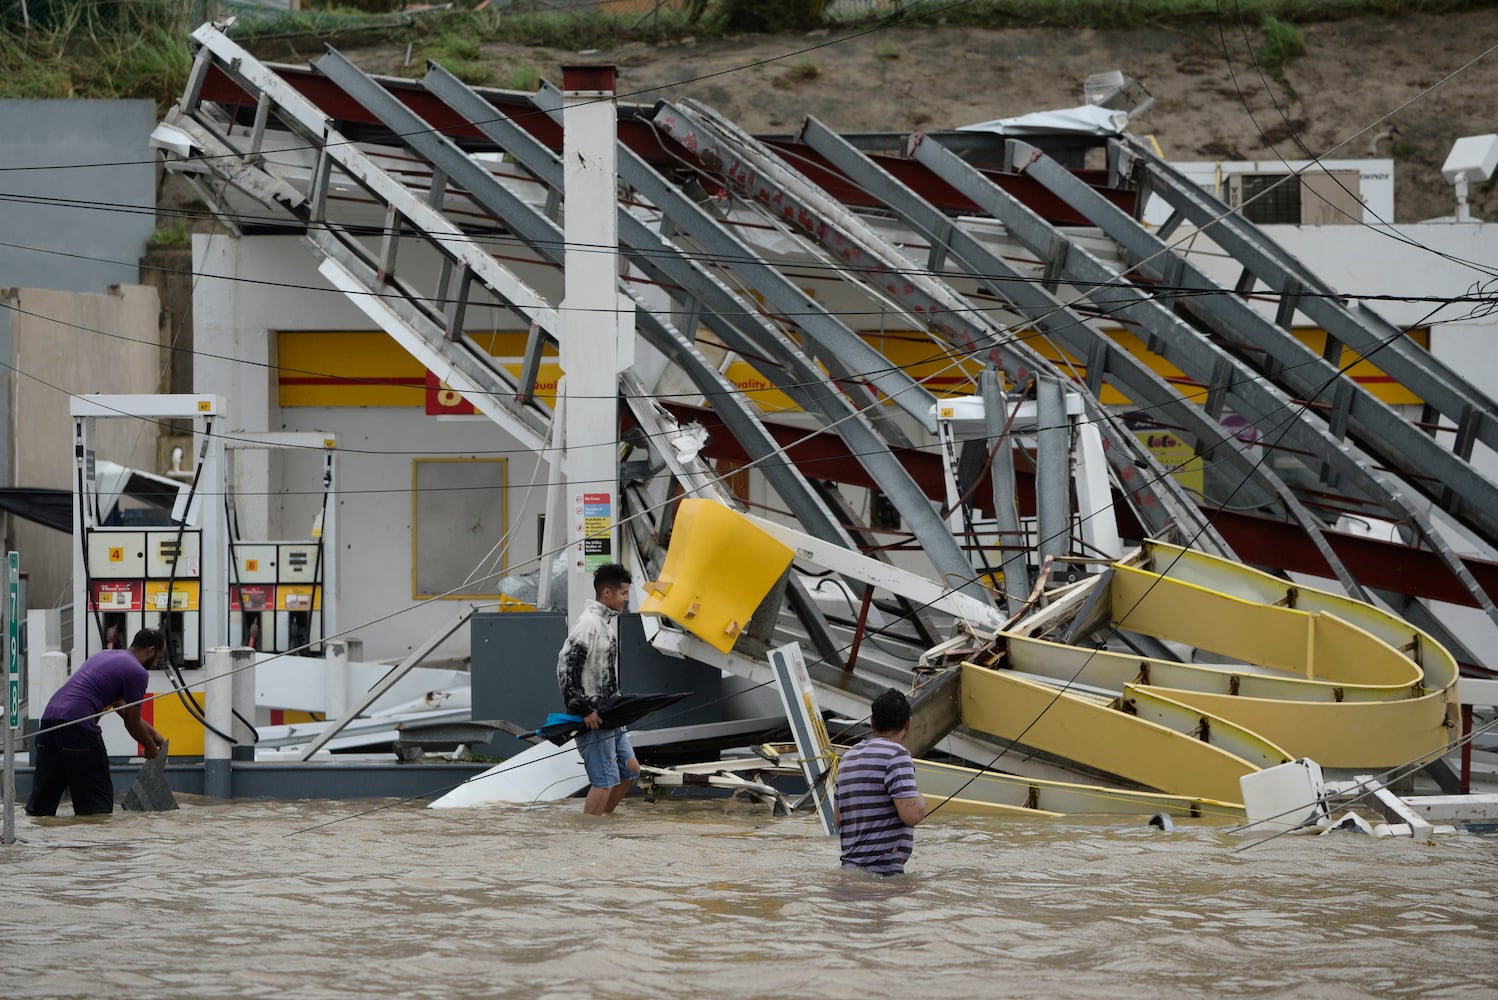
pixel 588 674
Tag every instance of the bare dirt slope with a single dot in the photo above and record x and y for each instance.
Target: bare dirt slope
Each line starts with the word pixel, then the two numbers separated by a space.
pixel 1352 73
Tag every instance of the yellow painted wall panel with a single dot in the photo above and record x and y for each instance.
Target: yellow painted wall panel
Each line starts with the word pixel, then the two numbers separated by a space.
pixel 347 369
pixel 1366 374
pixel 368 367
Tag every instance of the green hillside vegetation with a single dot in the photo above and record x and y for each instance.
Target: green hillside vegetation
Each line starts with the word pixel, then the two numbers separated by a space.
pixel 139 48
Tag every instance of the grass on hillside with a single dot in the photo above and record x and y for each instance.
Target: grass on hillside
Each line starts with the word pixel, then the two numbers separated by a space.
pixel 139 48
pixel 1282 42
pixel 129 49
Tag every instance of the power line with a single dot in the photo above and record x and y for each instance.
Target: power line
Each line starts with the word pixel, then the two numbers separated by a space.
pixel 1389 231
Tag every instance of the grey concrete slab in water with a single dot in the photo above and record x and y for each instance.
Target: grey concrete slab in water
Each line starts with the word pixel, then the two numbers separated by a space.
pixel 150 793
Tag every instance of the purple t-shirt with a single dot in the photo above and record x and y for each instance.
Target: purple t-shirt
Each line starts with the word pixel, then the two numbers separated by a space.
pixel 105 678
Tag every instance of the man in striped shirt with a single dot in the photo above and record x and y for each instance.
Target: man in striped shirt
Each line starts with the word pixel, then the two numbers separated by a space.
pixel 877 804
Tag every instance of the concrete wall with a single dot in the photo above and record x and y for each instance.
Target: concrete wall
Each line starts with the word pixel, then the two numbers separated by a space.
pixel 66 343
pixel 101 234
pixel 237 316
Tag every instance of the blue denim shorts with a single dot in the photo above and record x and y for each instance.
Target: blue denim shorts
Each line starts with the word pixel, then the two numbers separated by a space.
pixel 606 754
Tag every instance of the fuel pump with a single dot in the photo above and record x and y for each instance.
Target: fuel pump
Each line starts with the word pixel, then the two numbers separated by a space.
pixel 148 554
pixel 276 588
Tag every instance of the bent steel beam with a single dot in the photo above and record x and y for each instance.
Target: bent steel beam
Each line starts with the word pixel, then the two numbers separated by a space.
pixel 658 256
pixel 763 176
pixel 1171 338
pixel 1361 329
pixel 1422 462
pixel 547 239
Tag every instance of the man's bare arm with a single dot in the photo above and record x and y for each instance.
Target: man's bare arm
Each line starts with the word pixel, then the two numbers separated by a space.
pixel 911 810
pixel 145 734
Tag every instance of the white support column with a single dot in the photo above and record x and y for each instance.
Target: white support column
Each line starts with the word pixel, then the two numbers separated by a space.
pixel 557 511
pixel 336 703
pixel 242 693
pixel 83 466
pixel 53 670
pixel 43 636
pixel 331 553
pixel 597 325
pixel 213 544
pixel 218 704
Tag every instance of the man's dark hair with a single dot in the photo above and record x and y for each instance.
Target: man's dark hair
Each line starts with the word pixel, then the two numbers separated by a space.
pixel 889 712
pixel 610 575
pixel 148 638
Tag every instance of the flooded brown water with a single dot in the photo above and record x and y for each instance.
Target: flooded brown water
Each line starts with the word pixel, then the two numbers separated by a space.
pixel 695 898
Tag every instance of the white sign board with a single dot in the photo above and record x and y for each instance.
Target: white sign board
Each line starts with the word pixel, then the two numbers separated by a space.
pixel 800 703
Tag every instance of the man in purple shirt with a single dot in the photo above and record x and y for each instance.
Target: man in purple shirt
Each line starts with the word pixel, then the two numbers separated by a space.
pixel 70 753
pixel 877 804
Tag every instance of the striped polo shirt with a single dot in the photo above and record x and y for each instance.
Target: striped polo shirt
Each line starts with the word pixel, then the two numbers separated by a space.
pixel 869 779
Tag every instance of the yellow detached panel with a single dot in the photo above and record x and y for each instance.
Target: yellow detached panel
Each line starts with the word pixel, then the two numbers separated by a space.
pixel 1429 657
pixel 1343 652
pixel 1347 735
pixel 1098 736
pixel 719 567
pixel 1149 703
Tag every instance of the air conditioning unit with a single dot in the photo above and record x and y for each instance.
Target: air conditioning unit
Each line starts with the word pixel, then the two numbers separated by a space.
pixel 1314 198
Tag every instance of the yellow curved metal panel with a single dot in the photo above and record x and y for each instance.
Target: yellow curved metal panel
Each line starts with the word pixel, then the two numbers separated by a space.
pixel 1096 736
pixel 1039 797
pixel 1255 585
pixel 1100 668
pixel 1315 645
pixel 1149 704
pixel 1349 735
pixel 1160 606
pixel 978 807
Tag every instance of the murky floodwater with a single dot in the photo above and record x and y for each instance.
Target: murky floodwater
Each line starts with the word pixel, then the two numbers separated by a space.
pixel 695 898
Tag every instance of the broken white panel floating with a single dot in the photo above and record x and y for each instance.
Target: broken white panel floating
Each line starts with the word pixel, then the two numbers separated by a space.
pixel 544 772
pixel 1285 796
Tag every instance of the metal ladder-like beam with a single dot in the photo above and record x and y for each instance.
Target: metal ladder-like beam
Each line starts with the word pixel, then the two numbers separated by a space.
pixel 1173 339
pixel 1359 328
pixel 423 326
pixel 1105 359
pixel 546 238
pixel 1422 462
pixel 759 174
pixel 659 257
